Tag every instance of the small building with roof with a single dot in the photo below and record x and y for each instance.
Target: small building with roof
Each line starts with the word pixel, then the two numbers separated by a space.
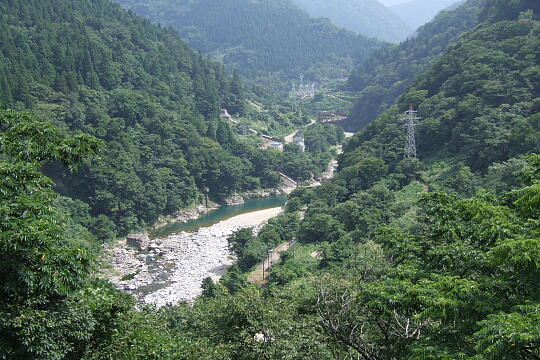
pixel 298 139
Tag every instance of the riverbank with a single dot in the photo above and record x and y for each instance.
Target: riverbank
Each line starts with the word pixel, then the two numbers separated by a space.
pixel 196 211
pixel 173 267
pixel 168 265
pixel 185 215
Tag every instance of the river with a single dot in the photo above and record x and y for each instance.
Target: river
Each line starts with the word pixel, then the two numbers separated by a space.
pixel 181 255
pixel 220 214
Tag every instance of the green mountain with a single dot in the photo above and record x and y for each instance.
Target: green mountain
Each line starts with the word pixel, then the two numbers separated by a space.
pixel 391 70
pixel 479 102
pixel 416 13
pixel 90 66
pixel 435 257
pixel 366 17
pixel 261 38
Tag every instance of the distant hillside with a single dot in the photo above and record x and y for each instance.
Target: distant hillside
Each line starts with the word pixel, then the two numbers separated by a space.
pixel 366 17
pixel 416 13
pixel 260 38
pixel 388 73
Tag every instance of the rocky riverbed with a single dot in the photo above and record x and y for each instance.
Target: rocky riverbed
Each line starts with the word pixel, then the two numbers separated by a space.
pixel 171 268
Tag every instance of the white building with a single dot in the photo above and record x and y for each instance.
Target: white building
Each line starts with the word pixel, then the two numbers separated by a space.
pixel 276 145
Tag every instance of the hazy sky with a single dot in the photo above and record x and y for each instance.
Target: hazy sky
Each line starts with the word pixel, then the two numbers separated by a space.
pixel 392 2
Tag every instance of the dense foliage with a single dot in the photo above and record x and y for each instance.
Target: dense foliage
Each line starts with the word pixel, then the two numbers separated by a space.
pixel 39 273
pixel 91 66
pixel 52 306
pixel 261 38
pixel 390 71
pixel 367 17
pixel 436 257
pixel 497 10
pixel 456 279
pixel 435 285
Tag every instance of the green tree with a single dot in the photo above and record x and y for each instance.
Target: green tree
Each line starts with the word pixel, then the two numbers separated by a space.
pixel 364 174
pixel 40 275
pixel 320 228
pixel 239 240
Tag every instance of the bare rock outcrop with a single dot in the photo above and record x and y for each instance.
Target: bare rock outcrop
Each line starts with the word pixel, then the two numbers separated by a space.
pixel 138 241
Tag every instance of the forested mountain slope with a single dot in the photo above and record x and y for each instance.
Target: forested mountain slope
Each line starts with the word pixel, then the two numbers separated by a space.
pixel 260 38
pixel 479 102
pixel 435 257
pixel 416 13
pixel 388 72
pixel 367 17
pixel 91 66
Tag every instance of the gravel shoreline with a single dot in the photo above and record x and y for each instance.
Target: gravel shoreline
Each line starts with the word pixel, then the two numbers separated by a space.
pixel 173 267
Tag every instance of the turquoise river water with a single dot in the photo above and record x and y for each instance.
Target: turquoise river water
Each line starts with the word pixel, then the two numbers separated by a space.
pixel 220 214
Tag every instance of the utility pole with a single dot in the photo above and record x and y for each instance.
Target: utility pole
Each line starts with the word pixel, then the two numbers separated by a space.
pixel 410 144
pixel 269 250
pixel 293 90
pixel 206 191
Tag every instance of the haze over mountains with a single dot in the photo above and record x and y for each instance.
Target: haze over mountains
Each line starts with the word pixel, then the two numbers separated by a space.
pixel 391 21
pixel 277 40
pixel 416 13
pixel 366 17
pixel 261 38
pixel 392 2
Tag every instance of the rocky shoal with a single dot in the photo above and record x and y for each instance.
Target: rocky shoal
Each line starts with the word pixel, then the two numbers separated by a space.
pixel 173 267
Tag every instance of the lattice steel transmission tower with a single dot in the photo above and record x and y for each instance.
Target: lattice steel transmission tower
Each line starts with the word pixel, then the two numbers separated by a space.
pixel 410 123
pixel 303 91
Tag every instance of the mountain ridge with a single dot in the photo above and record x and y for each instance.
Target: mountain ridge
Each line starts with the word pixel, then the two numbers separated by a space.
pixel 366 17
pixel 388 73
pixel 263 38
